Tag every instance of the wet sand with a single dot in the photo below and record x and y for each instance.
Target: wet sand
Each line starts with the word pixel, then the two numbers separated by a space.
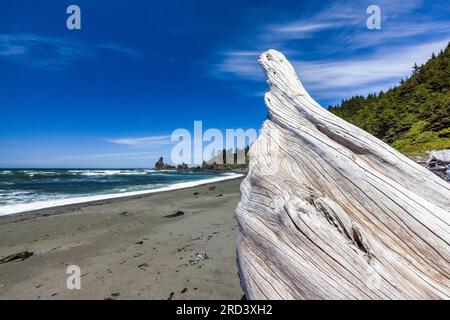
pixel 171 245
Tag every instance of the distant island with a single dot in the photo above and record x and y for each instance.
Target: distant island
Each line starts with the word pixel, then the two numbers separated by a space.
pixel 413 117
pixel 216 164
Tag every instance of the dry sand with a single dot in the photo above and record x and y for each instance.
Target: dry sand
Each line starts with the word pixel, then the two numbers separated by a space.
pixel 127 248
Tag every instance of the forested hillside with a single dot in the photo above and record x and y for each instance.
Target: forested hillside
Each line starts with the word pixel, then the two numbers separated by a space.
pixel 414 117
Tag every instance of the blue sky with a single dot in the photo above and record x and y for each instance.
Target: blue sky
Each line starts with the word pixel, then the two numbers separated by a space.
pixel 110 94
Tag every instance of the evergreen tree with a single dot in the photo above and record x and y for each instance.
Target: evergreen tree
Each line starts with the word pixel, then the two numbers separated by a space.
pixel 414 116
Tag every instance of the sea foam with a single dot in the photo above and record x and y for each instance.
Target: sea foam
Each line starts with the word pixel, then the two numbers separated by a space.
pixel 25 207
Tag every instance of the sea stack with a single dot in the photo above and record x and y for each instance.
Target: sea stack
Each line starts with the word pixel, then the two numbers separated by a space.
pixel 161 165
pixel 328 211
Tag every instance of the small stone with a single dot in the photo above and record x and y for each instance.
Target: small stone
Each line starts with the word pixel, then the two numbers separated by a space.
pixel 176 214
pixel 143 265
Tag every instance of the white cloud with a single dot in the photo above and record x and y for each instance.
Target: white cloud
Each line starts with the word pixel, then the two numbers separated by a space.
pixel 242 65
pixel 331 18
pixel 151 141
pixel 392 33
pixel 303 29
pixel 381 67
pixel 120 49
pixel 111 156
pixel 51 53
pixel 47 53
pixel 337 78
pixel 348 20
pixel 349 60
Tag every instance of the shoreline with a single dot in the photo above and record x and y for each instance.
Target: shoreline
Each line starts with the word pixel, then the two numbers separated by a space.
pixel 178 244
pixel 39 206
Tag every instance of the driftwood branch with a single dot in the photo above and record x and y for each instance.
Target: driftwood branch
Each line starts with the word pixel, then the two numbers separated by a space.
pixel 328 211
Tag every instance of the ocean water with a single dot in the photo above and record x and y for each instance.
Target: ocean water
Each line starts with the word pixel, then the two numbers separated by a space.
pixel 31 189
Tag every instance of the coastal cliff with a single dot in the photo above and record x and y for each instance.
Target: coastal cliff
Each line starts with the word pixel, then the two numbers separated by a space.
pixel 328 211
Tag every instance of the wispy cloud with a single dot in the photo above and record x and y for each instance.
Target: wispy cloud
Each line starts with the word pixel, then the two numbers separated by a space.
pixel 52 53
pixel 333 78
pixel 141 142
pixel 238 63
pixel 394 34
pixel 120 49
pixel 386 66
pixel 301 29
pixel 331 18
pixel 335 54
pixel 41 52
pixel 113 155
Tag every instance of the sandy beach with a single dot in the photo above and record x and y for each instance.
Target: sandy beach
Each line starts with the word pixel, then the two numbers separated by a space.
pixel 171 245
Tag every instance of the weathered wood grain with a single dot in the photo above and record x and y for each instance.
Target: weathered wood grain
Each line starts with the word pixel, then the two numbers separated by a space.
pixel 328 211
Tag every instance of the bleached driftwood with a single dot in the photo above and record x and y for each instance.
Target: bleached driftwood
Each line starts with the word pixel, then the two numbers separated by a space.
pixel 328 211
pixel 439 163
pixel 442 156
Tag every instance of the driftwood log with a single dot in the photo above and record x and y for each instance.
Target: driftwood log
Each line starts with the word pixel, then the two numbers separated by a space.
pixel 439 163
pixel 328 211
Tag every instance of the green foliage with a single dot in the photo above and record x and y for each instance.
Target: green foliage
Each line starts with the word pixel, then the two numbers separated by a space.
pixel 414 117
